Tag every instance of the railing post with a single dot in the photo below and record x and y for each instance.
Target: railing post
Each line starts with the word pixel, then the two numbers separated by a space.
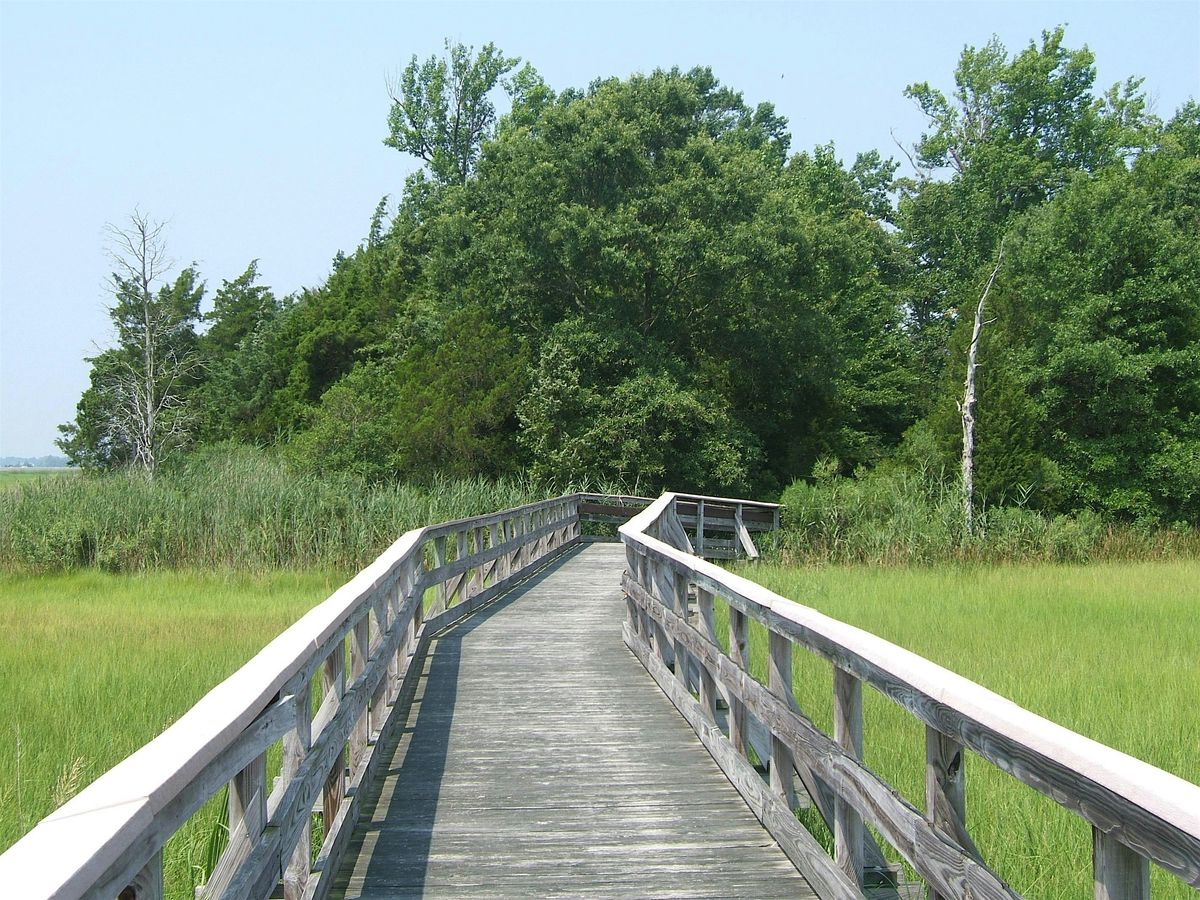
pixel 945 790
pixel 779 681
pixel 148 883
pixel 700 528
pixel 662 646
pixel 494 532
pixel 476 583
pixel 378 706
pixel 1118 873
pixel 360 651
pixel 296 744
pixel 708 628
pixel 679 592
pixel 631 608
pixel 848 733
pixel 737 653
pixel 333 678
pixel 439 560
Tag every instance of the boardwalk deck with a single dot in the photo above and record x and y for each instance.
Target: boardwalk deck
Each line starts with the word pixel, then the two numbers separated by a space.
pixel 538 759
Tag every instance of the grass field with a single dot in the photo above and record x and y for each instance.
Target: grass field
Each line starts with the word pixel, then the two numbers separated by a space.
pixel 104 662
pixel 1108 650
pixel 95 665
pixel 10 477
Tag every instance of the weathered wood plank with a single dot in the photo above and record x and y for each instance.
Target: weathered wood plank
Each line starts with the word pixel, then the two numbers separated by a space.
pixel 620 795
pixel 941 862
pixel 1149 810
pixel 1118 872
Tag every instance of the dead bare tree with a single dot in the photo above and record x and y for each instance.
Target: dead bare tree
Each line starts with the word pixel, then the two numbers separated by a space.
pixel 967 407
pixel 154 330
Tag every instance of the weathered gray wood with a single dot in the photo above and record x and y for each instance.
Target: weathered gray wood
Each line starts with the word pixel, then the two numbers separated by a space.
pixel 360 652
pixel 743 536
pixel 1118 873
pixel 708 628
pixel 1143 806
pixel 148 884
pixel 699 528
pixel 779 682
pixel 946 866
pixel 738 657
pixel 801 848
pixel 848 734
pixel 619 799
pixel 296 744
pixel 945 791
pixel 441 594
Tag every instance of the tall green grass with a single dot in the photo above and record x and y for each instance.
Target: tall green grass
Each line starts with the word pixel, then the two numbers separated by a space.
pixel 95 665
pixel 894 516
pixel 232 508
pixel 1109 650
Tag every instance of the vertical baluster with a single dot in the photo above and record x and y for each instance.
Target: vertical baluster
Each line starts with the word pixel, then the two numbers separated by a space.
pixel 493 543
pixel 945 790
pixel 333 679
pixel 360 651
pixel 779 680
pixel 700 528
pixel 476 583
pixel 848 733
pixel 439 560
pixel 708 628
pixel 460 552
pixel 296 744
pixel 632 564
pixel 148 883
pixel 408 581
pixel 737 653
pixel 679 592
pixel 396 663
pixel 379 627
pixel 1118 873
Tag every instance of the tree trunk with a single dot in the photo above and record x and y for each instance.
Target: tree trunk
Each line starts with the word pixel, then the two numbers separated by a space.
pixel 967 407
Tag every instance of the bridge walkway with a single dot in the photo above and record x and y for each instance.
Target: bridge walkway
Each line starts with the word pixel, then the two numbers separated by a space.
pixel 538 758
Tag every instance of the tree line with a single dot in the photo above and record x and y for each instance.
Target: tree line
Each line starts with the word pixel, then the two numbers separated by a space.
pixel 640 280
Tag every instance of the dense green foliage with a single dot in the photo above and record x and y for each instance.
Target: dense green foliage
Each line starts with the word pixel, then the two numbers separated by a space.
pixel 639 280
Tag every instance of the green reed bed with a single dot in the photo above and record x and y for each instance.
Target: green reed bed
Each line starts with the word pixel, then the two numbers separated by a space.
pixel 234 508
pixel 1108 650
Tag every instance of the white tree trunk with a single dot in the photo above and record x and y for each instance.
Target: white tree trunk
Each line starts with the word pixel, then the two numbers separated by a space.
pixel 967 407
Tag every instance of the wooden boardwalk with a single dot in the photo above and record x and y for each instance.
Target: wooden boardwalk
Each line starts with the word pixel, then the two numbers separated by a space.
pixel 538 758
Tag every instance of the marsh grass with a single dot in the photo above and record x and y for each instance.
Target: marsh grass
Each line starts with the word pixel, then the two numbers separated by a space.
pixel 96 665
pixel 231 508
pixel 1108 650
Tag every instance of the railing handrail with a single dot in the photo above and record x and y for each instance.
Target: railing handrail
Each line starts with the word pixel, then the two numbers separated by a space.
pixel 65 853
pixel 1155 813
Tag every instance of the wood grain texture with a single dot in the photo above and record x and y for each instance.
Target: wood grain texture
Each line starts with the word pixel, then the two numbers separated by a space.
pixel 948 867
pixel 498 788
pixel 848 734
pixel 1118 873
pixel 1149 810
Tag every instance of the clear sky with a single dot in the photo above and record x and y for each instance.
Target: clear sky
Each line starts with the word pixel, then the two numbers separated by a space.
pixel 257 129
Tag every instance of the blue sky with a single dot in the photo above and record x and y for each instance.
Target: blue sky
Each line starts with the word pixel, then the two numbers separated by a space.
pixel 257 129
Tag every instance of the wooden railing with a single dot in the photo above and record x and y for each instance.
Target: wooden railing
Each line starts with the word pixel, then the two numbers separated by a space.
pixel 1138 813
pixel 714 527
pixel 351 653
